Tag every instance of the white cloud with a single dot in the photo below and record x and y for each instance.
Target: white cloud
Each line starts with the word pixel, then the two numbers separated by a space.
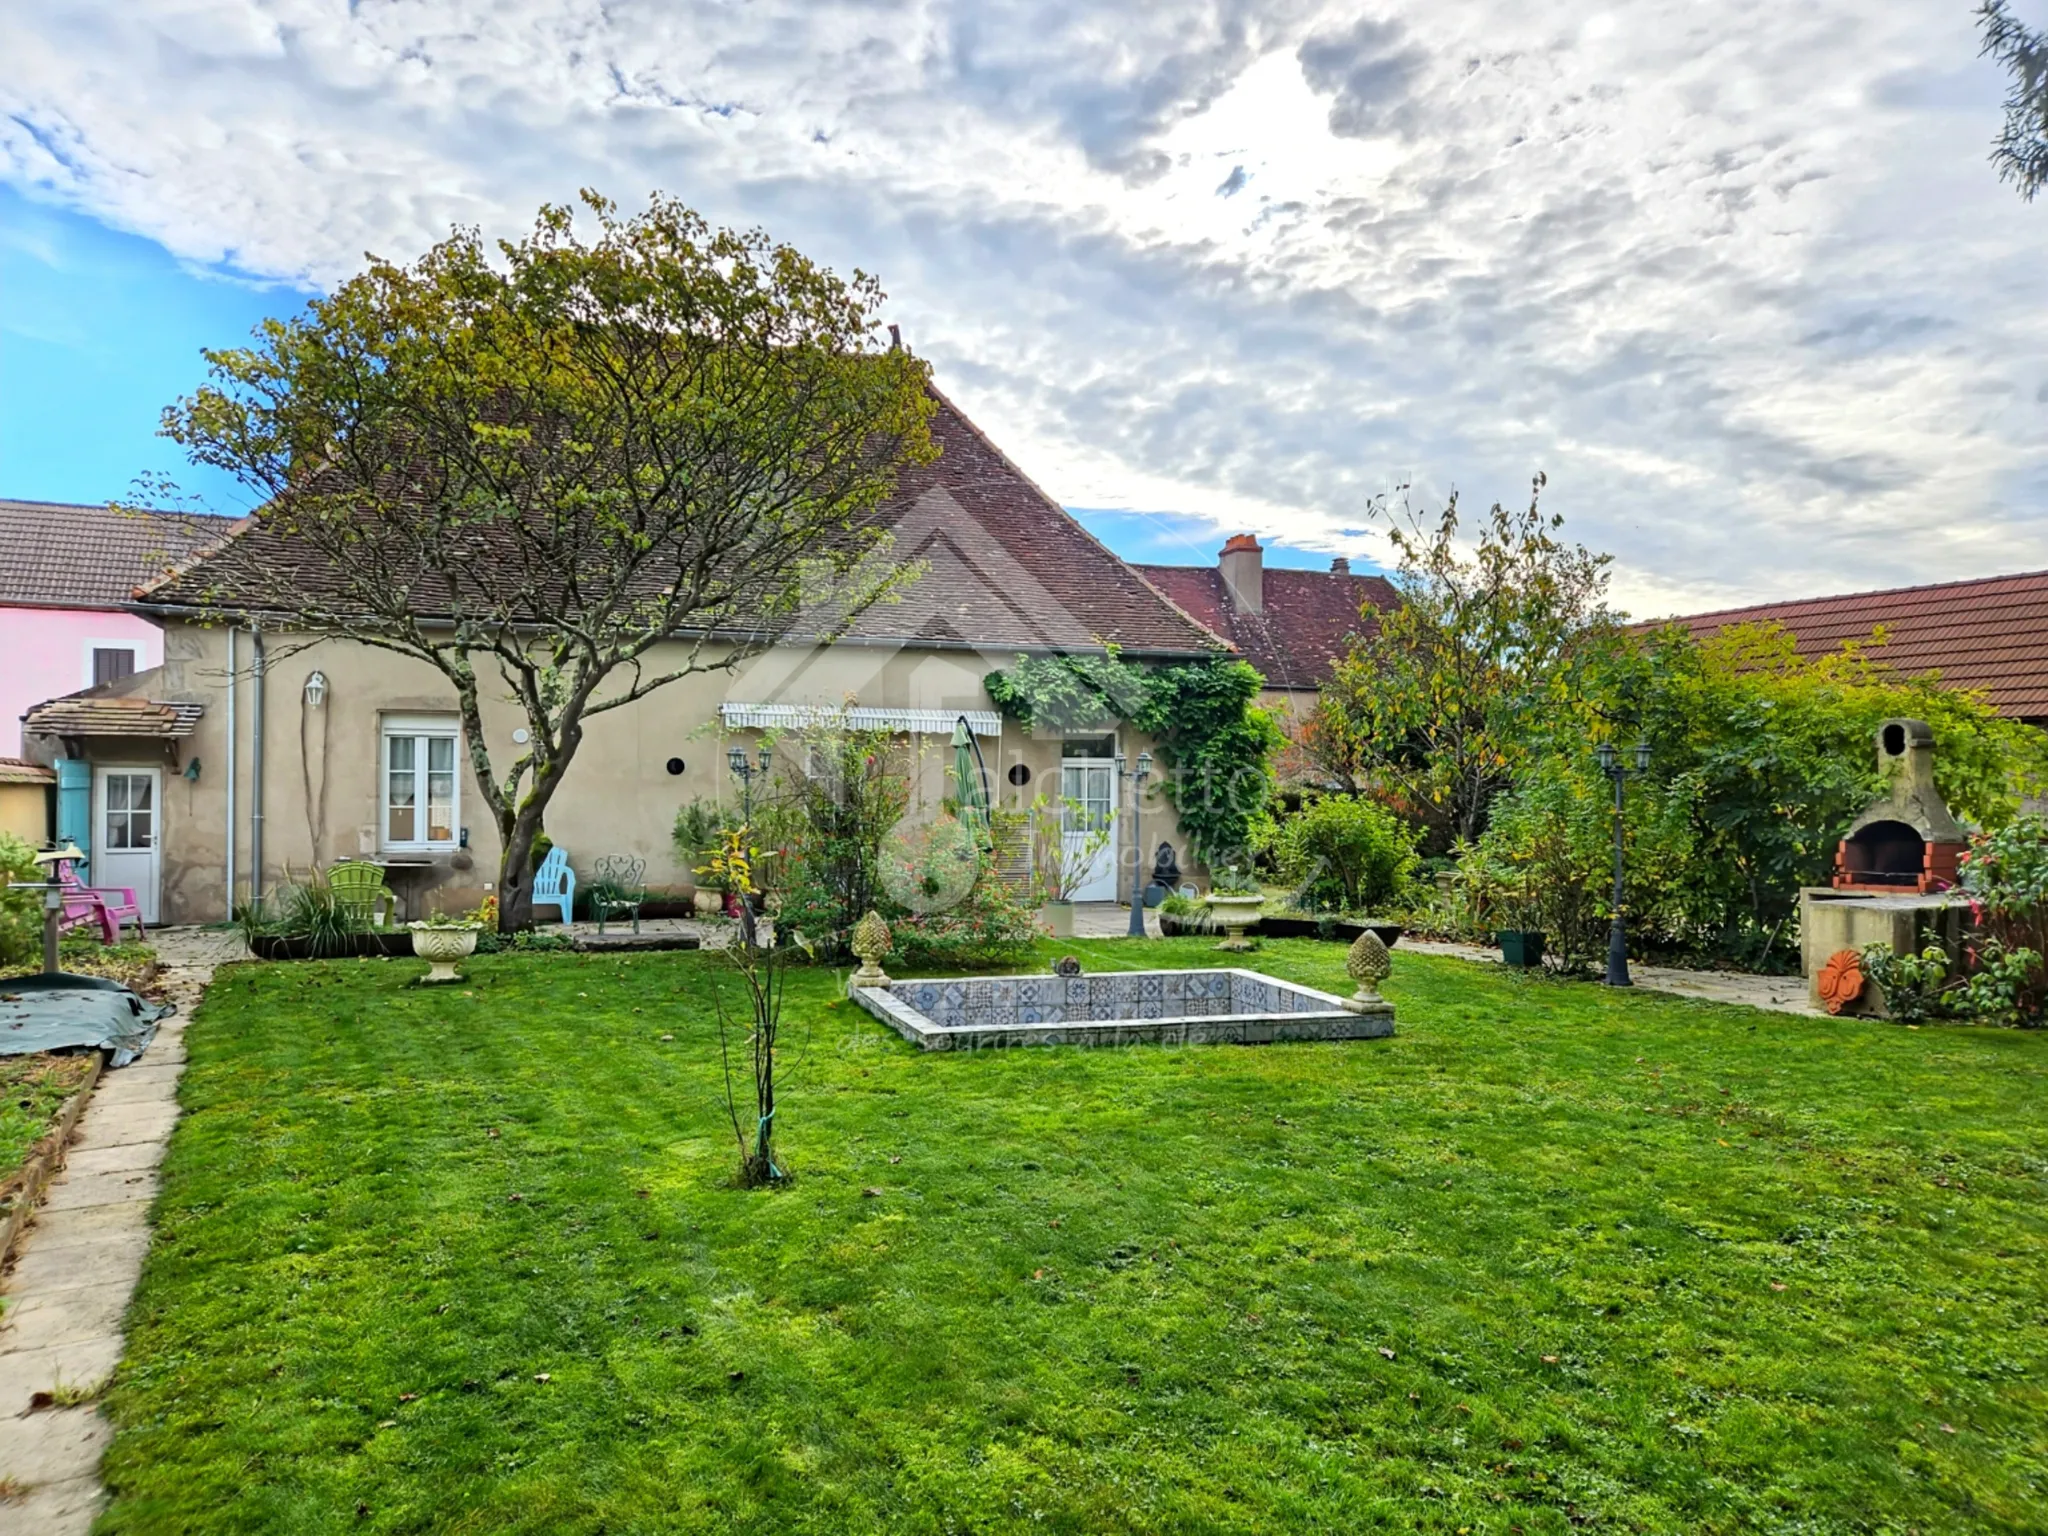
pixel 1738 277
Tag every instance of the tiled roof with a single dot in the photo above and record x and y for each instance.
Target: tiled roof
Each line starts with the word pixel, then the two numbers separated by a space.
pixel 1306 623
pixel 16 770
pixel 1990 634
pixel 1007 567
pixel 87 714
pixel 56 555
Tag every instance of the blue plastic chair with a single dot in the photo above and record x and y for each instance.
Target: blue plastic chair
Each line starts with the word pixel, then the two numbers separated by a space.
pixel 554 883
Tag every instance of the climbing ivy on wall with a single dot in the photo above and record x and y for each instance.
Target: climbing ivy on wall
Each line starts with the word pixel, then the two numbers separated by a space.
pixel 1215 743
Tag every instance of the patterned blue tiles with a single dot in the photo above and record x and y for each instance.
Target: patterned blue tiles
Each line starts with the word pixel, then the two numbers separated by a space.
pixel 1113 1008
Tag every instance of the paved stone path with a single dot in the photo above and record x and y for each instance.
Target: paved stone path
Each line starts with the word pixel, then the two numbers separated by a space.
pixel 78 1263
pixel 1781 994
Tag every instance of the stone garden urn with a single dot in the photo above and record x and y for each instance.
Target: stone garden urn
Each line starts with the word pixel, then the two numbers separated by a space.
pixel 1234 914
pixel 441 948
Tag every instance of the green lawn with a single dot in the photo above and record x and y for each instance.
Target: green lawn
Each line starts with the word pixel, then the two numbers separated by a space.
pixel 32 1092
pixel 1552 1257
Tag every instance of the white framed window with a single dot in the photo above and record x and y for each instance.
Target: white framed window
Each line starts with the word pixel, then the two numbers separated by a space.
pixel 420 795
pixel 108 661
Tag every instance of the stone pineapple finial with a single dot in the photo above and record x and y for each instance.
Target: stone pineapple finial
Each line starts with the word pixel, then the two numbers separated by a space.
pixel 1368 964
pixel 871 941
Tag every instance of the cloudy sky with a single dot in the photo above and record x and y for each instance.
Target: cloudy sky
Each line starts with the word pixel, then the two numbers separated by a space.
pixel 1737 277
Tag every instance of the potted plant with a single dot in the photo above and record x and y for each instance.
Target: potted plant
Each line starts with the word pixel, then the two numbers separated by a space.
pixel 1522 945
pixel 1181 916
pixel 1234 901
pixel 441 941
pixel 1062 864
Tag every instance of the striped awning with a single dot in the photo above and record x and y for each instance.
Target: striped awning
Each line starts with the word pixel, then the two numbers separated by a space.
pixel 861 717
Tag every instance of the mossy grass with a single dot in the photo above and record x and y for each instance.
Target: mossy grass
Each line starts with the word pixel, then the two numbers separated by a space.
pixel 472 1260
pixel 33 1090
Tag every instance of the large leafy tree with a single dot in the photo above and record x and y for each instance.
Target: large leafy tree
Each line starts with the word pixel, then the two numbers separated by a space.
pixel 1487 643
pixel 1761 757
pixel 567 472
pixel 2021 150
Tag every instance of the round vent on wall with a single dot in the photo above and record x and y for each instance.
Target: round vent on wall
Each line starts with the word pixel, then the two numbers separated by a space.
pixel 675 765
pixel 1020 775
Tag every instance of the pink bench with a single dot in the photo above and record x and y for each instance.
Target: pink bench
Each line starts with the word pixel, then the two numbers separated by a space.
pixel 96 903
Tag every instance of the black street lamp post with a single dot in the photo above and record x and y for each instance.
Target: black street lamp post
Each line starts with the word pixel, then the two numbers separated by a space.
pixel 1139 775
pixel 1612 765
pixel 744 771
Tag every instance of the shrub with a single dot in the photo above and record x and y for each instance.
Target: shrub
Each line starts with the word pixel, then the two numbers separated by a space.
pixel 698 826
pixel 1998 986
pixel 21 912
pixel 995 924
pixel 305 909
pixel 1547 862
pixel 2005 875
pixel 1343 853
pixel 840 792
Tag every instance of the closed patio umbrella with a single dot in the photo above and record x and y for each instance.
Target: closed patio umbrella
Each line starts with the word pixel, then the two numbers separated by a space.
pixel 970 784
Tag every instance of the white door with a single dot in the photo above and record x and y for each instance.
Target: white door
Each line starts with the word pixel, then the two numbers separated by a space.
pixel 127 832
pixel 1091 783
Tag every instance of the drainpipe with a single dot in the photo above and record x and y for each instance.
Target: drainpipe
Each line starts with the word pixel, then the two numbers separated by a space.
pixel 255 763
pixel 234 747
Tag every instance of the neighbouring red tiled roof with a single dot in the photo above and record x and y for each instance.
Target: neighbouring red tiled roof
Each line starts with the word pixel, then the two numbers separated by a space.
pixel 1306 623
pixel 1990 633
pixel 18 770
pixel 1006 567
pixel 57 555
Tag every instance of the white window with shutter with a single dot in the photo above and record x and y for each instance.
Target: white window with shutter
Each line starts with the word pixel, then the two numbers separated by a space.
pixel 422 806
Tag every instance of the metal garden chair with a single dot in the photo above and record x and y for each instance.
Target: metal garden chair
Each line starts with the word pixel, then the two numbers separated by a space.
pixel 619 886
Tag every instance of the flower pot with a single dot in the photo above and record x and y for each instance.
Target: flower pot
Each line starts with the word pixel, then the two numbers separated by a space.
pixel 1059 917
pixel 1521 947
pixel 1234 914
pixel 441 948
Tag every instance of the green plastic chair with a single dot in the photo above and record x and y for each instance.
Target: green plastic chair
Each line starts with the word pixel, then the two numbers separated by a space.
pixel 619 887
pixel 360 888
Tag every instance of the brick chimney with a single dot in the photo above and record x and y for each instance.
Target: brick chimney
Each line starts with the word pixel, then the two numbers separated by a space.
pixel 1243 565
pixel 1341 566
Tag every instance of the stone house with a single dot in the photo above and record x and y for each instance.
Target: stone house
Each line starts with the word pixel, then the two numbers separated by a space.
pixel 263 753
pixel 68 578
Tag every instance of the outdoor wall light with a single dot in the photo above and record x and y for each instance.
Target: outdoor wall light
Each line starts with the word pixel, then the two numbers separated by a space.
pixel 746 772
pixel 316 689
pixel 192 770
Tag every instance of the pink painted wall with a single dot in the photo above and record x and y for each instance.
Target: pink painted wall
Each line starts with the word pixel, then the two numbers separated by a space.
pixel 45 652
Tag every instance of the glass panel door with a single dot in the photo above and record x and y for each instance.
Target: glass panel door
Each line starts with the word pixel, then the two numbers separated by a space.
pixel 125 854
pixel 1090 787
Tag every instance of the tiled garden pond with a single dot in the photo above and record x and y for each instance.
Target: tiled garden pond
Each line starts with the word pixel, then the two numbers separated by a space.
pixel 1206 1007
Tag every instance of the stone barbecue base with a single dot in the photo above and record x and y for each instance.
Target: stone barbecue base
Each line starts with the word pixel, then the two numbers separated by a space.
pixel 1208 1007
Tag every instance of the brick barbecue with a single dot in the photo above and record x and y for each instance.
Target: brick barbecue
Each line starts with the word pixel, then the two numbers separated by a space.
pixel 1907 842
